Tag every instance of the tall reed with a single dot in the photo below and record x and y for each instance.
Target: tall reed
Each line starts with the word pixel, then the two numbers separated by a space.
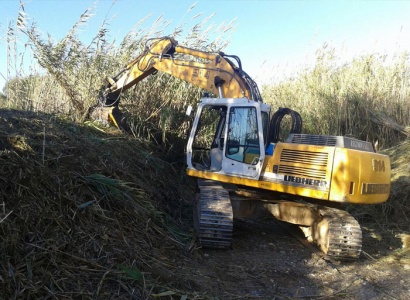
pixel 368 97
pixel 71 72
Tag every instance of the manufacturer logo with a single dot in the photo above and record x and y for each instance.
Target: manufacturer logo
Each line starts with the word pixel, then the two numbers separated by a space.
pixel 375 188
pixel 305 181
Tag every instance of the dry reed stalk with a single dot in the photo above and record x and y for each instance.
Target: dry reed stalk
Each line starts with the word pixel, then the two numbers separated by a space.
pixel 367 97
pixel 72 218
pixel 76 71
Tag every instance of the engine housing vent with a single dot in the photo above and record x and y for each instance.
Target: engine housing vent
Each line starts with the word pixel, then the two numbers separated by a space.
pixel 331 141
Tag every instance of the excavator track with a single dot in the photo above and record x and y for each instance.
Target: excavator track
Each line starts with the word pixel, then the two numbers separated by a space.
pixel 213 216
pixel 337 234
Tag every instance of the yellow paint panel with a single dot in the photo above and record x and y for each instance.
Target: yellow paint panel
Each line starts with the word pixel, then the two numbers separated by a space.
pixel 319 172
pixel 266 185
pixel 360 177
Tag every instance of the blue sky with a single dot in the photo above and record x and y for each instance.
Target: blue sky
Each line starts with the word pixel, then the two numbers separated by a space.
pixel 270 36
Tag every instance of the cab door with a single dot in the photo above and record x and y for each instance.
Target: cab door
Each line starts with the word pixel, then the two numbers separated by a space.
pixel 227 138
pixel 244 144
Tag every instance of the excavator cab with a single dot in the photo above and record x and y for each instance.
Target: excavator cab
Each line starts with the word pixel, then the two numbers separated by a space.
pixel 228 137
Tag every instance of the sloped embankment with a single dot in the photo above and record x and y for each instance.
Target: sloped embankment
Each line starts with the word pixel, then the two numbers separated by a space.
pixel 83 213
pixel 398 205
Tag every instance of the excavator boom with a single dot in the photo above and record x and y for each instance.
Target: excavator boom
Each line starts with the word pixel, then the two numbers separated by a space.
pixel 213 72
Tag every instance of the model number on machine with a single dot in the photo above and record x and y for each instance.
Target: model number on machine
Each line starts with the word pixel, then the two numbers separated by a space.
pixel 198 72
pixel 378 165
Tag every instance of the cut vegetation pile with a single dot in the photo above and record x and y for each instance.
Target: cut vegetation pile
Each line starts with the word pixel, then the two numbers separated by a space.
pixel 98 215
pixel 84 213
pixel 397 208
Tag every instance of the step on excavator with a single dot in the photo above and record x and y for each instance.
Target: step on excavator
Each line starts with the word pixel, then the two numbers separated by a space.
pixel 242 166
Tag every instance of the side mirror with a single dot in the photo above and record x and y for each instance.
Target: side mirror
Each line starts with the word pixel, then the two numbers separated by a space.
pixel 188 110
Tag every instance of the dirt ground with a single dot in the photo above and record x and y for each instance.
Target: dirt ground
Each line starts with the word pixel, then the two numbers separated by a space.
pixel 268 261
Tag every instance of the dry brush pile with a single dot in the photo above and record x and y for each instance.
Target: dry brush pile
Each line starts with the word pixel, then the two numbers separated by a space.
pixel 85 213
pixel 397 208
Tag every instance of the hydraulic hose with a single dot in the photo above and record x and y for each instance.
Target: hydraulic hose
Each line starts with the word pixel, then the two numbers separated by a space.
pixel 274 129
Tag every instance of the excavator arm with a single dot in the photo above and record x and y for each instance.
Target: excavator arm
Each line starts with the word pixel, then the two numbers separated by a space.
pixel 213 72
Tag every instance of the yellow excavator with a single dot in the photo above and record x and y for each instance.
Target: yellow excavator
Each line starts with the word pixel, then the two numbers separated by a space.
pixel 242 166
